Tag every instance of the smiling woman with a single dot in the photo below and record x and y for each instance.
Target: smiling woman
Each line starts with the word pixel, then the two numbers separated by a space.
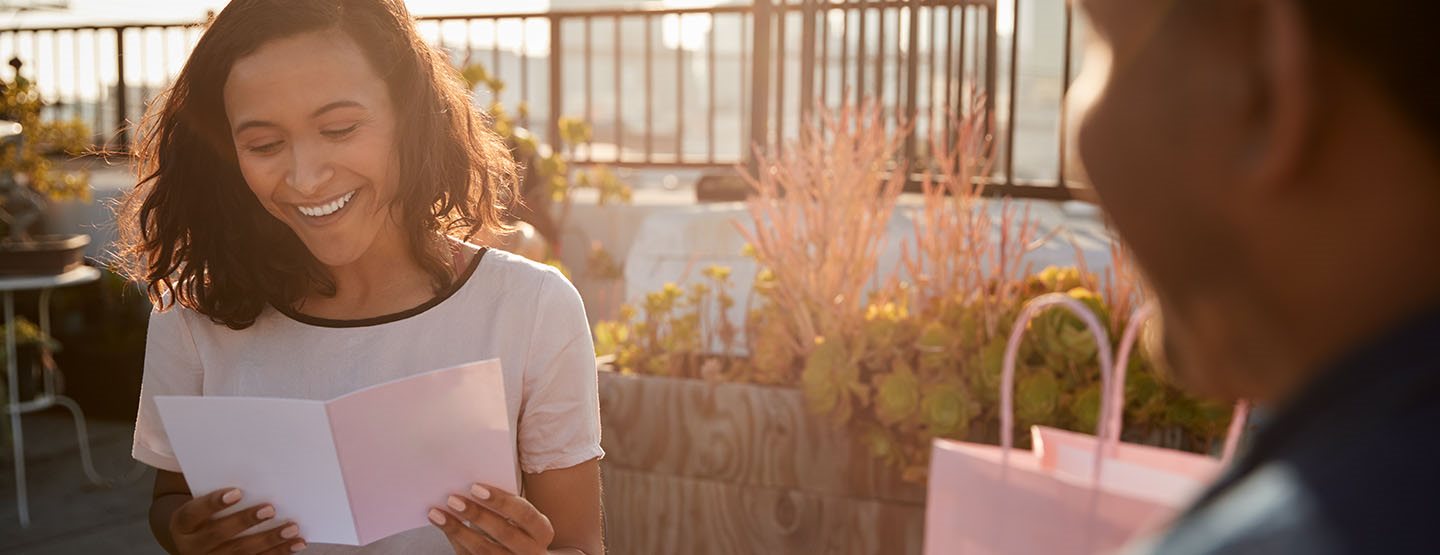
pixel 314 130
pixel 309 192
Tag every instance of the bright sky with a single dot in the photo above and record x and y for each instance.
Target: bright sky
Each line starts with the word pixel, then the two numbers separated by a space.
pixel 192 10
pixel 162 58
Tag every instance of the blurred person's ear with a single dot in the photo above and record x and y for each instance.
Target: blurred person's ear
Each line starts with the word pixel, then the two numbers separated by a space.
pixel 1284 97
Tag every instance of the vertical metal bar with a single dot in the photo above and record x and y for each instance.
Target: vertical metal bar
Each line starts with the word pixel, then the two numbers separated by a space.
pixel 710 82
pixel 34 62
pixel 960 84
pixel 930 47
pixel 760 81
pixel 952 108
pixel 679 88
pixel 589 85
pixel 121 96
pixel 992 48
pixel 746 39
pixel 440 37
pixel 495 50
pixel 1064 94
pixel 649 91
pixel 17 432
pixel 469 42
pixel 57 67
pixel 100 96
pixel 557 58
pixel 844 54
pixel 900 71
pixel 165 66
pixel 807 61
pixel 781 22
pixel 912 71
pixel 824 98
pixel 880 59
pixel 75 65
pixel 1014 86
pixel 860 59
pixel 619 119
pixel 144 66
pixel 525 71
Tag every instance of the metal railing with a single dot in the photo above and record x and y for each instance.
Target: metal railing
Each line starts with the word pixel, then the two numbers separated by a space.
pixel 671 87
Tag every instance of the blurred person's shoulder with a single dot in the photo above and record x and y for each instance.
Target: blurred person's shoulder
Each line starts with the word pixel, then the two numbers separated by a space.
pixel 1376 495
pixel 1353 466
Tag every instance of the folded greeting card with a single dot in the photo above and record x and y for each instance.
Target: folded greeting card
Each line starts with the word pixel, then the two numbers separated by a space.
pixel 356 468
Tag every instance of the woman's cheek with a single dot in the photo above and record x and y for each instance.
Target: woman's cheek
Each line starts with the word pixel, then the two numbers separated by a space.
pixel 263 177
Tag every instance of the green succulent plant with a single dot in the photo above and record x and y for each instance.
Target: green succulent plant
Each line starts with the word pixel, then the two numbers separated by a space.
pixel 904 377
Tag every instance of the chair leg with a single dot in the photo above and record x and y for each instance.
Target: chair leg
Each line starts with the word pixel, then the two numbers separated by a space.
pixel 12 408
pixel 82 434
pixel 84 440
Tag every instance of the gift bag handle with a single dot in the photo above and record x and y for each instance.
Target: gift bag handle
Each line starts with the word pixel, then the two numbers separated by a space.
pixel 1114 413
pixel 1012 348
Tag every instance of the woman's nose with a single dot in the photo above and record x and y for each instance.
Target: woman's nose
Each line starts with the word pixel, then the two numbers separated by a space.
pixel 309 171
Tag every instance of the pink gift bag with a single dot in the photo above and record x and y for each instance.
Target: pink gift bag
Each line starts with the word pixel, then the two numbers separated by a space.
pixel 1071 494
pixel 1164 476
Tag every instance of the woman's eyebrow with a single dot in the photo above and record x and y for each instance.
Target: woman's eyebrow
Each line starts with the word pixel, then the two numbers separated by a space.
pixel 335 106
pixel 252 123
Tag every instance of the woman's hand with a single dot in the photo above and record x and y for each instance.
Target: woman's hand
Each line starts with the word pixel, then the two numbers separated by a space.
pixel 197 530
pixel 492 521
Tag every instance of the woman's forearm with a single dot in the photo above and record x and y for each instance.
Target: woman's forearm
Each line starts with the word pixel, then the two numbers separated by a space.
pixel 161 510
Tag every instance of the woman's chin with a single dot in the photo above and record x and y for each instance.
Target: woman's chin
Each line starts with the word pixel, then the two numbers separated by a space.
pixel 335 256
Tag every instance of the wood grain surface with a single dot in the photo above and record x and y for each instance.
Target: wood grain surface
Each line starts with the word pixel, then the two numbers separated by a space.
pixel 697 467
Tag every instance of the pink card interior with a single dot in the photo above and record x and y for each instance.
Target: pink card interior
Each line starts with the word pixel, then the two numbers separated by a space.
pixel 405 446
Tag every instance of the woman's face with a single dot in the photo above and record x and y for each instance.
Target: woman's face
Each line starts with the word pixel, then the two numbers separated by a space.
pixel 315 136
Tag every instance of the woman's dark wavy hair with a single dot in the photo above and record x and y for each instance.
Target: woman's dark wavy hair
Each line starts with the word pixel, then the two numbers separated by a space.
pixel 192 231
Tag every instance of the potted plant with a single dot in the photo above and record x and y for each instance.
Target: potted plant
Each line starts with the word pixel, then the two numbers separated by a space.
pixel 545 175
pixel 817 430
pixel 29 179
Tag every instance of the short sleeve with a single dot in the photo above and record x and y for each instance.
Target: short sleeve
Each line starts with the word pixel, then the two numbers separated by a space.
pixel 560 406
pixel 172 367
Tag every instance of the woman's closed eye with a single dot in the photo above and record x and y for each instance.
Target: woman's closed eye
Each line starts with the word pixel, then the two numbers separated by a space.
pixel 266 148
pixel 341 133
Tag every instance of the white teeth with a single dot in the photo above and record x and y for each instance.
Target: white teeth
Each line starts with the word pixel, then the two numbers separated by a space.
pixel 327 209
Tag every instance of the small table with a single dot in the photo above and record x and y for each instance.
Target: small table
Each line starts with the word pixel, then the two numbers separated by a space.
pixel 47 397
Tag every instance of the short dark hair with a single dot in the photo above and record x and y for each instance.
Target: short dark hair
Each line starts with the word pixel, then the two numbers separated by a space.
pixel 192 231
pixel 1398 41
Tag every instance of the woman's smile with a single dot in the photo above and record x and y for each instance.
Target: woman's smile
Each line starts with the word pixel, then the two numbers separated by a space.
pixel 326 211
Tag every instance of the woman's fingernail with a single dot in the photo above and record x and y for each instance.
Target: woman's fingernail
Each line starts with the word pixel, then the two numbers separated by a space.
pixel 231 497
pixel 298 547
pixel 265 512
pixel 290 531
pixel 480 492
pixel 437 517
pixel 455 503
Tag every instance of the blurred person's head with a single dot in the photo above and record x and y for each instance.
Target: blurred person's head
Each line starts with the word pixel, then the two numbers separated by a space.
pixel 1275 167
pixel 299 136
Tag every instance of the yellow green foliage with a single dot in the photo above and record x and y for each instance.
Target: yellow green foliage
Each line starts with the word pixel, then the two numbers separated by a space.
pixel 32 165
pixel 675 330
pixel 910 374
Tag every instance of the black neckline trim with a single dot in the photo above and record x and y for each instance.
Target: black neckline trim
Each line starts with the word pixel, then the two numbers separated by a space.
pixel 393 317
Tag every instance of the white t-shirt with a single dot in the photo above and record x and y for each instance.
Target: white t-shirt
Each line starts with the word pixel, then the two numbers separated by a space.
pixel 504 306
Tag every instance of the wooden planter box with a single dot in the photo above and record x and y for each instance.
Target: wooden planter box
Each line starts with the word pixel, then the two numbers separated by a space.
pixel 697 467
